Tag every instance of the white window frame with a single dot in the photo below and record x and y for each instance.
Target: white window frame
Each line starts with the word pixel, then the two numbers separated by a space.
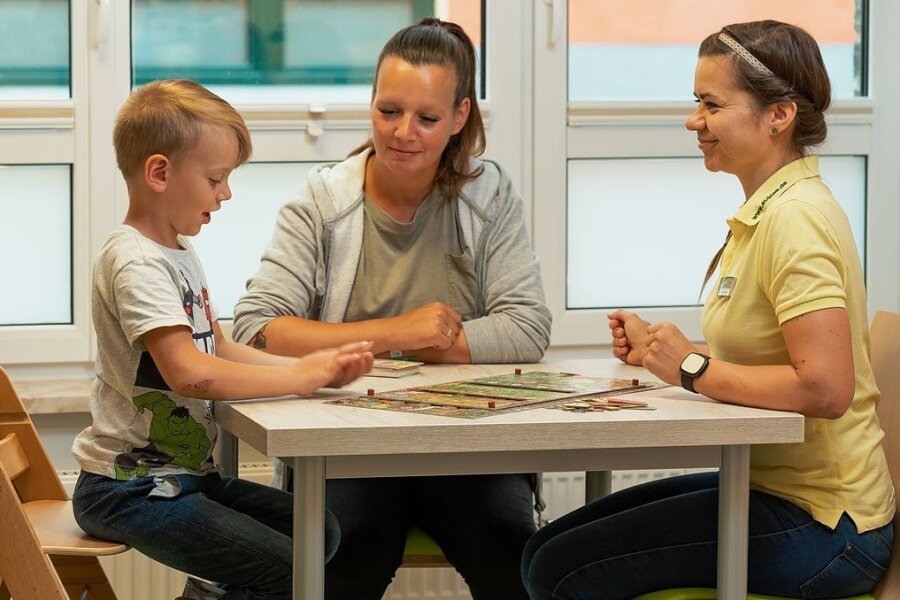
pixel 531 129
pixel 53 131
pixel 78 131
pixel 563 130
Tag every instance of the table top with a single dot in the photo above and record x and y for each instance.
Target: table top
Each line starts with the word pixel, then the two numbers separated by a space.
pixel 307 427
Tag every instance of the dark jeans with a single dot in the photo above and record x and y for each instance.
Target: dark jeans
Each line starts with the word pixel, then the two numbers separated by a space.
pixel 223 529
pixel 662 535
pixel 480 522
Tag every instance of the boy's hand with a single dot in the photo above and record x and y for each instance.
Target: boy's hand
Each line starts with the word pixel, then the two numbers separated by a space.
pixel 333 367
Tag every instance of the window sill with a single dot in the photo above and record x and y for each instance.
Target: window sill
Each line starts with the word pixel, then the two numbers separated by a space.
pixel 53 396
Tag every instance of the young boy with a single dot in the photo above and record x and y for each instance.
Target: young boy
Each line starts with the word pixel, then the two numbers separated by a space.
pixel 148 478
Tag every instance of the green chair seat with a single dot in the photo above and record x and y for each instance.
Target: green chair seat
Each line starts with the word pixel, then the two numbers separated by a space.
pixel 710 594
pixel 422 551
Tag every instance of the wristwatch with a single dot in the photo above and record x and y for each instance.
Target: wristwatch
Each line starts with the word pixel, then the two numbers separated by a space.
pixel 692 367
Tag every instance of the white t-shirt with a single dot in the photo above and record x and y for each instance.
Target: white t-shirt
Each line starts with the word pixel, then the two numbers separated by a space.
pixel 140 427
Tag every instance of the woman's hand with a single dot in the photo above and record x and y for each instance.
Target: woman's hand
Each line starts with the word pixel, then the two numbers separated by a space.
pixel 666 349
pixel 629 337
pixel 333 367
pixel 434 325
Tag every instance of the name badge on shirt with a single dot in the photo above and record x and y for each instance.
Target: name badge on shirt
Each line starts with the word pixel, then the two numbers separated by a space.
pixel 726 287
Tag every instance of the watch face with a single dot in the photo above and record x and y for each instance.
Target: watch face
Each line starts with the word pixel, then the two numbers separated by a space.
pixel 692 363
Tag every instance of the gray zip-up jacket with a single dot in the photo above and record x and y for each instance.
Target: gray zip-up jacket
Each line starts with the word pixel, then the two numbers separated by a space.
pixel 309 267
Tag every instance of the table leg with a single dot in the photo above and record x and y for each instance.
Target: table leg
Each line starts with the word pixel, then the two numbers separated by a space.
pixel 597 484
pixel 228 453
pixel 309 527
pixel 734 508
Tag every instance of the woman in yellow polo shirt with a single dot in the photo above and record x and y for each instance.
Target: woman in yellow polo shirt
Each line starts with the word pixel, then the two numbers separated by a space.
pixel 786 324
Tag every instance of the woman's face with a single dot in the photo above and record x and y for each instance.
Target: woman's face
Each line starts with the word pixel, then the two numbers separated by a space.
pixel 732 135
pixel 413 116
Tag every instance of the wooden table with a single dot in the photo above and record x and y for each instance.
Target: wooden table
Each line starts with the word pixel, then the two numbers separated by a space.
pixel 321 440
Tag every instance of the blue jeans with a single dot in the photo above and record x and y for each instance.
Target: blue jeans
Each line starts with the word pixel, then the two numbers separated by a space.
pixel 662 535
pixel 480 522
pixel 234 532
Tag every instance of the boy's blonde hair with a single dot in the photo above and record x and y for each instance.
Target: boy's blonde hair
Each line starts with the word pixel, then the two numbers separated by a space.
pixel 167 117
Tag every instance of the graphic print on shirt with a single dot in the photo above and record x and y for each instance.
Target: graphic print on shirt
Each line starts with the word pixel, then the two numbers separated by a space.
pixel 175 439
pixel 204 339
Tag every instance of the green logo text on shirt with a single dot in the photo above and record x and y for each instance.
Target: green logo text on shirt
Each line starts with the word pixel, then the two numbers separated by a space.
pixel 762 205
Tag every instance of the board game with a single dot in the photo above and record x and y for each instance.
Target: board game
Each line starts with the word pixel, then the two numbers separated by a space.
pixel 487 396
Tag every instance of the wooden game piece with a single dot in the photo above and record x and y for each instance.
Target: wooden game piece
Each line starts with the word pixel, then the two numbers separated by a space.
pixel 370 392
pixel 518 371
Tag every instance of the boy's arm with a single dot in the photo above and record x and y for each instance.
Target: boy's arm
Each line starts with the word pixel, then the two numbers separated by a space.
pixel 190 372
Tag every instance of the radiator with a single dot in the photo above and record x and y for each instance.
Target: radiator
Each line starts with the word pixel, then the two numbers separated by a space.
pixel 136 577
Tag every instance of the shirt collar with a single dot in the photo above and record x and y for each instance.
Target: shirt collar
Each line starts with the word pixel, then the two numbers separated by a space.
pixel 774 187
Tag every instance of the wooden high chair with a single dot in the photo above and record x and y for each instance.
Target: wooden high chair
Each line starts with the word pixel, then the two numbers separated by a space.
pixel 885 344
pixel 44 554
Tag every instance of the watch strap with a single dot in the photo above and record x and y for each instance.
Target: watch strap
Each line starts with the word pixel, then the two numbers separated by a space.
pixel 687 379
pixel 687 382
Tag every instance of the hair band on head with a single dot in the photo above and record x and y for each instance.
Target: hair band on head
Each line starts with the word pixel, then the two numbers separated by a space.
pixel 744 53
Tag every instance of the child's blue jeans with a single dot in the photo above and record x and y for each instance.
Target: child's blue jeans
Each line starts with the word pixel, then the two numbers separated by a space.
pixel 662 535
pixel 223 529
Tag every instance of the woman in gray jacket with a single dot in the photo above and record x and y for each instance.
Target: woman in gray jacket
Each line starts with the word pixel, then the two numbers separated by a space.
pixel 418 246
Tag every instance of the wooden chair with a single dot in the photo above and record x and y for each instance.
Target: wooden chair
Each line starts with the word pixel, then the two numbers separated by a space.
pixel 44 554
pixel 885 345
pixel 885 340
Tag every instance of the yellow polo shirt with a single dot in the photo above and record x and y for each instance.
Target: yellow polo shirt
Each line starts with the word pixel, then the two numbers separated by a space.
pixel 792 252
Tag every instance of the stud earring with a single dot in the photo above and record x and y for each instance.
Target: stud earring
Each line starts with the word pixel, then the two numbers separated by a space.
pixel 774 131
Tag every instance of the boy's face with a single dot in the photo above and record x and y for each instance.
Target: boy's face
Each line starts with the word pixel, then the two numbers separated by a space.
pixel 198 180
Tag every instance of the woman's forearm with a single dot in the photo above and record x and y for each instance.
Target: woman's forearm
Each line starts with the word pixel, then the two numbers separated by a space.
pixel 296 336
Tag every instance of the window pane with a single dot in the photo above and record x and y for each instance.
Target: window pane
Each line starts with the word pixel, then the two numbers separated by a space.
pixel 353 43
pixel 646 49
pixel 230 246
pixel 34 49
pixel 301 50
pixel 36 241
pixel 664 232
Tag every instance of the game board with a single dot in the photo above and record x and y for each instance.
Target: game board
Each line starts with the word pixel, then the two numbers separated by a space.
pixel 487 396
